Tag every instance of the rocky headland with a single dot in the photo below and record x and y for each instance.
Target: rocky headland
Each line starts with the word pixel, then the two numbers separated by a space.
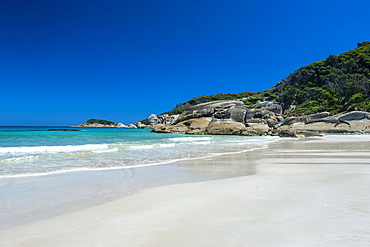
pixel 329 96
pixel 232 117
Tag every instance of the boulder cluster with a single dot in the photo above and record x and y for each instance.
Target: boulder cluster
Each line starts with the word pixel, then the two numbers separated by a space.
pixel 232 117
pixel 162 119
pixel 225 117
pixel 354 122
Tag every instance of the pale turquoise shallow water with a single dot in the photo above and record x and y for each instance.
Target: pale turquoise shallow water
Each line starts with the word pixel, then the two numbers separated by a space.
pixel 33 151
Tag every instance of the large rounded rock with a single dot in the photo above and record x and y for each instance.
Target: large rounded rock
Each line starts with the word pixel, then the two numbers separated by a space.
pixel 354 115
pixel 258 113
pixel 217 109
pixel 250 114
pixel 159 128
pixel 275 108
pixel 163 128
pixel 322 127
pixel 225 128
pixel 131 126
pixel 290 130
pixel 256 129
pixel 237 113
pixel 303 119
pixel 153 119
pixel 167 119
pixel 197 126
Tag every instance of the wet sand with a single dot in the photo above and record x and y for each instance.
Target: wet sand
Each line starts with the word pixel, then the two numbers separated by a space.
pixel 301 192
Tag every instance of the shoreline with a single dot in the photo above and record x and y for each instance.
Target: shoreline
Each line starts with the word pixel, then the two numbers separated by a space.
pixel 305 191
pixel 87 187
pixel 59 172
pixel 117 154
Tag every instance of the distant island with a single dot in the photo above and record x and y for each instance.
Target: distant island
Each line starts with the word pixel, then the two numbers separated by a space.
pixel 329 96
pixel 100 123
pixel 97 123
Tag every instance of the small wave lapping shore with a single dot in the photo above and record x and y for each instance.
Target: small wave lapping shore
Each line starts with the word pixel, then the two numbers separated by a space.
pixel 27 152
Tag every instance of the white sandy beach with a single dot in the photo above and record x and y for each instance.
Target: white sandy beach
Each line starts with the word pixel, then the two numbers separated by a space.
pixel 300 192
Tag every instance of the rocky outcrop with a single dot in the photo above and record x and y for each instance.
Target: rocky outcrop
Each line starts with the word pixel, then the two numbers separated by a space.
pixel 196 125
pixel 225 127
pixel 153 119
pixel 226 117
pixel 231 117
pixel 255 129
pixel 162 119
pixel 303 119
pixel 216 109
pixel 354 115
pixel 237 113
pixel 333 120
pixel 191 126
pixel 356 122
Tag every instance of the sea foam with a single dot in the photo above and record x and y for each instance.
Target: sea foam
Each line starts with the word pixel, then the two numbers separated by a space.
pixel 190 139
pixel 52 149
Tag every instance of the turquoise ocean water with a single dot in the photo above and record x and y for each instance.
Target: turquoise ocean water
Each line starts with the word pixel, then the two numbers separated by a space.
pixel 34 151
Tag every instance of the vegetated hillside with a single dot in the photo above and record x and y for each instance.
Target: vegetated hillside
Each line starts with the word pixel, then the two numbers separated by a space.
pixel 336 84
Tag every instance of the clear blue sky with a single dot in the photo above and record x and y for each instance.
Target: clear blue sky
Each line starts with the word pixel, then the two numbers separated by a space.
pixel 65 61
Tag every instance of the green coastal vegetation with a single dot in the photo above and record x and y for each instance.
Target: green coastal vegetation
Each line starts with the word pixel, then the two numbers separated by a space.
pixel 100 121
pixel 336 84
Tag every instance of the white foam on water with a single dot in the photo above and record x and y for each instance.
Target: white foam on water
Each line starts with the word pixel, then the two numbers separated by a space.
pixel 52 149
pixel 142 147
pixel 166 145
pixel 106 151
pixel 19 159
pixel 202 143
pixel 160 145
pixel 127 166
pixel 61 159
pixel 190 139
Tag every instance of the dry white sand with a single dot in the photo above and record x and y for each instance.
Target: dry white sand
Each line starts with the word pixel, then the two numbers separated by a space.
pixel 305 192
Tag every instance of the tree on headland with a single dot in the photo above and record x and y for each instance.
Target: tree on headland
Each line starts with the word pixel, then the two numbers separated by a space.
pixel 338 83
